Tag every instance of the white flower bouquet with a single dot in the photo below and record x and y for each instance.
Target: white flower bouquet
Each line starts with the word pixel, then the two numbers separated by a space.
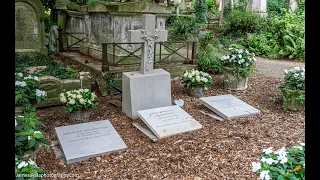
pixel 193 78
pixel 281 164
pixel 81 99
pixel 241 60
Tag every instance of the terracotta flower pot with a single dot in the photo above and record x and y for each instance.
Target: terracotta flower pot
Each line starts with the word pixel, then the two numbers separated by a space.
pixel 233 82
pixel 76 117
pixel 292 104
pixel 196 92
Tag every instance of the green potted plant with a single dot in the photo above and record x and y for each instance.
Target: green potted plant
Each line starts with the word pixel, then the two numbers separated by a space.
pixel 78 103
pixel 196 81
pixel 281 164
pixel 28 138
pixel 293 89
pixel 27 91
pixel 237 67
pixel 27 170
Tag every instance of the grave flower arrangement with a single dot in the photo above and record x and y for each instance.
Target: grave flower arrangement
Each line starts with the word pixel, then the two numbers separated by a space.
pixel 237 67
pixel 293 89
pixel 78 102
pixel 28 137
pixel 27 90
pixel 196 80
pixel 281 164
pixel 27 169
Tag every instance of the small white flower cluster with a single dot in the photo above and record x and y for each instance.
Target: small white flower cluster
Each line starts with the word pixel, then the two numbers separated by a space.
pixel 239 57
pixel 72 96
pixel 23 83
pixel 295 76
pixel 280 155
pixel 197 76
pixel 20 83
pixel 27 77
pixel 25 164
pixel 40 93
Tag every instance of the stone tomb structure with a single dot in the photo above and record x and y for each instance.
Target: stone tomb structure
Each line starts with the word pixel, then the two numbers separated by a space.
pixel 228 106
pixel 83 141
pixel 166 121
pixel 148 88
pixel 29 27
pixel 107 22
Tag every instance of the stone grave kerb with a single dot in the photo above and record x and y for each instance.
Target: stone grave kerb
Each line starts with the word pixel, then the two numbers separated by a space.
pixel 148 35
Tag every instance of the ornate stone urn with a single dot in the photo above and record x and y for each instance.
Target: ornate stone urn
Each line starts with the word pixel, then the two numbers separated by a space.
pixel 196 91
pixel 233 82
pixel 291 103
pixel 77 117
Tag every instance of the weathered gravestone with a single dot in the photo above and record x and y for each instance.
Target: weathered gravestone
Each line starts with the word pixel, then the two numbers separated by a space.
pixel 29 27
pixel 228 106
pixel 148 88
pixel 168 121
pixel 83 141
pixel 258 6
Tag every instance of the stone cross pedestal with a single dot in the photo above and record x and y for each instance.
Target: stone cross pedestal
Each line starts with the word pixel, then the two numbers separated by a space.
pixel 148 88
pixel 148 36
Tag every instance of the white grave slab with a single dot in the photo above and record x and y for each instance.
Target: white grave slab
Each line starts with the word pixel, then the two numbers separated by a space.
pixel 168 121
pixel 228 106
pixel 83 141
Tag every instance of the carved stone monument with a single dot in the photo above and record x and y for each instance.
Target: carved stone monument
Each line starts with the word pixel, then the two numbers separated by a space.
pixel 29 27
pixel 148 88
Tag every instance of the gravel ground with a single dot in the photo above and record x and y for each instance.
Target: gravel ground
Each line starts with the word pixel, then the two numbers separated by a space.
pixel 220 150
pixel 275 68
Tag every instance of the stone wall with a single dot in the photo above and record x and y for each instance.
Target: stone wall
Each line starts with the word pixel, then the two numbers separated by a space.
pixel 54 86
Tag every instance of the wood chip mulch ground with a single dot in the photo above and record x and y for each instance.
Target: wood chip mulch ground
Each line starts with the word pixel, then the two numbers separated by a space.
pixel 220 150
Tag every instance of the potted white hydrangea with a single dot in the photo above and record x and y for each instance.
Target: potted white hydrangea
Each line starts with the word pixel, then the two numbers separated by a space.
pixel 196 81
pixel 78 103
pixel 293 89
pixel 237 67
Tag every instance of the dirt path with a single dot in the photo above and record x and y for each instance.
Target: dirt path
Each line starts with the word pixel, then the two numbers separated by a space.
pixel 275 68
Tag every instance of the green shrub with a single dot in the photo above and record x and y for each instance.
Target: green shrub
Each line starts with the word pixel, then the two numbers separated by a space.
pixel 53 68
pixel 182 28
pixel 201 11
pixel 287 35
pixel 275 6
pixel 238 23
pixel 208 61
pixel 259 44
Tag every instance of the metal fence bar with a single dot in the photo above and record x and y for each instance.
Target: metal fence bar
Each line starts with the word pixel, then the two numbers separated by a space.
pixel 105 66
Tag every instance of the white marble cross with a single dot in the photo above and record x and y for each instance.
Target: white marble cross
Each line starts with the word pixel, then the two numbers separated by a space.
pixel 148 35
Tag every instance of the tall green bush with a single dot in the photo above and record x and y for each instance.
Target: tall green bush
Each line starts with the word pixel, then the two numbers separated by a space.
pixel 201 11
pixel 238 23
pixel 208 60
pixel 182 28
pixel 283 37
